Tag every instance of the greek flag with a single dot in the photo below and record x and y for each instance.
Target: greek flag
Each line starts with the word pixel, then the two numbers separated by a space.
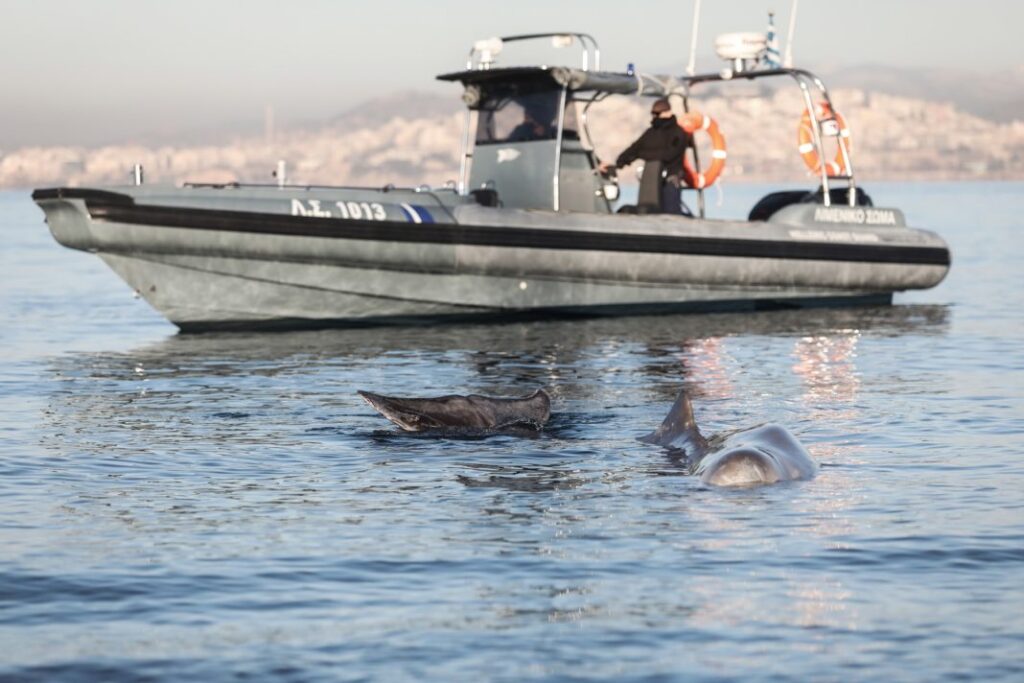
pixel 771 59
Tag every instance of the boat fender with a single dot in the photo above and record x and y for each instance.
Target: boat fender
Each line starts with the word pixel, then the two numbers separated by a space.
pixel 808 150
pixel 691 122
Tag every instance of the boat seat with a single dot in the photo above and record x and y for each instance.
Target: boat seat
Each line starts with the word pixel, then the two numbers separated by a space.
pixel 839 195
pixel 648 198
pixel 486 197
pixel 768 205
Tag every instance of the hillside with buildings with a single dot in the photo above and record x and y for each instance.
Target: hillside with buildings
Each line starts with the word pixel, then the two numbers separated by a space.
pixel 414 138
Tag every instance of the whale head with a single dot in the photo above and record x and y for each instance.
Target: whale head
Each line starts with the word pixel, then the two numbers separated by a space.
pixel 760 455
pixel 747 457
pixel 743 466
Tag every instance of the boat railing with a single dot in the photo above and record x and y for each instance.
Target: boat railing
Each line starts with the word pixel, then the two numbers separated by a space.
pixel 420 189
pixel 807 82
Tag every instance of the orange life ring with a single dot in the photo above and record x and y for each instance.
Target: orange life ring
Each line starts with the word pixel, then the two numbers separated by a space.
pixel 691 122
pixel 808 150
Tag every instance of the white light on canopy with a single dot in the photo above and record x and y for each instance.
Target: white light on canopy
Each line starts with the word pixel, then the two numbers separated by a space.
pixel 488 49
pixel 561 40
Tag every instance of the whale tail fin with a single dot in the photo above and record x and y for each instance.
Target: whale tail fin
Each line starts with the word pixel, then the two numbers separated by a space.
pixel 679 429
pixel 407 414
pixel 463 413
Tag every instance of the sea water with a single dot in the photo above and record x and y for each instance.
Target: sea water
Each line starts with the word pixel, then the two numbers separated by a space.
pixel 222 507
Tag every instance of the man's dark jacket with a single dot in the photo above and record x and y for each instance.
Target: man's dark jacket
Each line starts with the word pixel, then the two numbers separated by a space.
pixel 664 141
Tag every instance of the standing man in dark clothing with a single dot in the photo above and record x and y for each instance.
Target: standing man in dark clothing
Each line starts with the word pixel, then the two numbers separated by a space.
pixel 664 142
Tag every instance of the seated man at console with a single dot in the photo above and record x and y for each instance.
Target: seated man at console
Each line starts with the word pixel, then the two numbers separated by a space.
pixel 538 124
pixel 664 143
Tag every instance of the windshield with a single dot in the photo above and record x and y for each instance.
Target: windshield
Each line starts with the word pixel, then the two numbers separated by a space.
pixel 524 117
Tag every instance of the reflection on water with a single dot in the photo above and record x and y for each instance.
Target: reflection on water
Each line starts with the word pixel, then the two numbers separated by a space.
pixel 488 344
pixel 270 390
pixel 708 368
pixel 825 364
pixel 518 353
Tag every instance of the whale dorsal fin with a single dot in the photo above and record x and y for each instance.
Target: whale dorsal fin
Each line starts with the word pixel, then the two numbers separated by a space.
pixel 679 429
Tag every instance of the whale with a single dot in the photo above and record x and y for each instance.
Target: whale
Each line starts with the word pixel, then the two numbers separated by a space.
pixel 765 454
pixel 456 413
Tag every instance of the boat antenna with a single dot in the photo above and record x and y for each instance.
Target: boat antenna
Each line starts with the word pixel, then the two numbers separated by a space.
pixel 788 61
pixel 691 68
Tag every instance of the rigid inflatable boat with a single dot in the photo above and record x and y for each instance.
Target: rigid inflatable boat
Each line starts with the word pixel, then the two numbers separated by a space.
pixel 528 229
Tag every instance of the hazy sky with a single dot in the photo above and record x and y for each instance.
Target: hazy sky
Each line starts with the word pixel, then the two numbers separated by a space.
pixel 112 70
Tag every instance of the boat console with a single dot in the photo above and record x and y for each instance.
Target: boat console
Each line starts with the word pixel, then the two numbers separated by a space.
pixel 526 133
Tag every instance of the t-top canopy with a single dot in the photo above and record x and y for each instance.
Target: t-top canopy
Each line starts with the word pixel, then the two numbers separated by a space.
pixel 575 80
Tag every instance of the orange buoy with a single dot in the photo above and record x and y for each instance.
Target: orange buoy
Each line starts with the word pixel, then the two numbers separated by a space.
pixel 691 122
pixel 808 150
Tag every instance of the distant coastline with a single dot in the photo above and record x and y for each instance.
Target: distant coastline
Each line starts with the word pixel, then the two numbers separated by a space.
pixel 895 138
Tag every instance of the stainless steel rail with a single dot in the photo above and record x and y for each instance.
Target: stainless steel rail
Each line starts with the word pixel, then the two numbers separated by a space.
pixel 588 45
pixel 805 81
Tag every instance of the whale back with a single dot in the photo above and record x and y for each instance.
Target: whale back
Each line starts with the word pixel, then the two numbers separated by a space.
pixel 454 412
pixel 679 429
pixel 749 457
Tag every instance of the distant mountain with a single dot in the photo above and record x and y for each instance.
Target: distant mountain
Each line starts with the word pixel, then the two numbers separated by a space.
pixel 412 104
pixel 996 95
pixel 908 124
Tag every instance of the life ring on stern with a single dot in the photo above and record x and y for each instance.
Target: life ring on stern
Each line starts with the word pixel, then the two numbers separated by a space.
pixel 691 122
pixel 808 150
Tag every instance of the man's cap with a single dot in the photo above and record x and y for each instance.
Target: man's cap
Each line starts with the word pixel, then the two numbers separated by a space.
pixel 660 106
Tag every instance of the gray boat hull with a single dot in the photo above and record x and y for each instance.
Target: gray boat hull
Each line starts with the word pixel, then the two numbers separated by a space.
pixel 222 258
